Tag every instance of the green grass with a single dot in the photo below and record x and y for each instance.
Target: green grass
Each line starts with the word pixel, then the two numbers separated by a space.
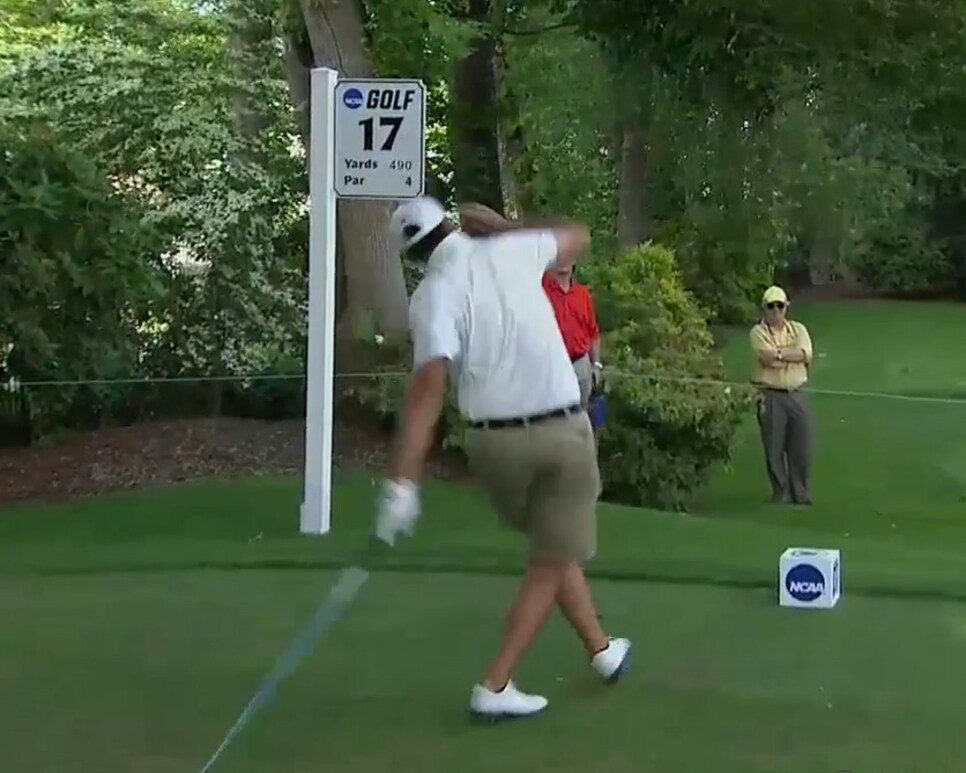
pixel 878 346
pixel 112 673
pixel 892 469
pixel 135 627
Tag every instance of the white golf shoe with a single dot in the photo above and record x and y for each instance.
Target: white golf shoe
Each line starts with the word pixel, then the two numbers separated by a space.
pixel 507 704
pixel 611 662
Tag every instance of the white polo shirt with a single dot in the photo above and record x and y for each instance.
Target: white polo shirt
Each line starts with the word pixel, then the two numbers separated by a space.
pixel 482 306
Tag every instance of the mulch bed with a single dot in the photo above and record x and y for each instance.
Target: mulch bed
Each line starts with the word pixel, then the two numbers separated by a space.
pixel 91 463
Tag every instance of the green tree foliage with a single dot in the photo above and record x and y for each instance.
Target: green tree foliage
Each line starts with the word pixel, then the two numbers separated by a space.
pixel 786 120
pixel 567 123
pixel 151 92
pixel 419 39
pixel 81 273
pixel 819 136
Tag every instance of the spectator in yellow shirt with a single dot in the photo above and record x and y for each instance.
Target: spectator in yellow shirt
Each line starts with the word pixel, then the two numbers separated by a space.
pixel 783 353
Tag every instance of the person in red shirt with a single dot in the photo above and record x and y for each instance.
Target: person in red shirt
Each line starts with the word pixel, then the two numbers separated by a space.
pixel 577 320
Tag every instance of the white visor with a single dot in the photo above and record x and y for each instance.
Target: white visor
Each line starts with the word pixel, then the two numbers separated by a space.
pixel 413 219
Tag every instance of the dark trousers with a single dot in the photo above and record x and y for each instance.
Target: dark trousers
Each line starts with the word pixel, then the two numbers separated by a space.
pixel 785 419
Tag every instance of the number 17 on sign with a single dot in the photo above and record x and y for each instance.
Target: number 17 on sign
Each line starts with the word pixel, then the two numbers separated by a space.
pixel 380 138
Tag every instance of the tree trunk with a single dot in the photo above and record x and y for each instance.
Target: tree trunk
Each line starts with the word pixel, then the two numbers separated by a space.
pixel 629 147
pixel 375 286
pixel 473 120
pixel 633 223
pixel 510 193
pixel 516 167
pixel 824 263
pixel 298 60
pixel 508 131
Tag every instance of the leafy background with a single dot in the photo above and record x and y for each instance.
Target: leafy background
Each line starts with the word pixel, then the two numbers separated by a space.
pixel 153 194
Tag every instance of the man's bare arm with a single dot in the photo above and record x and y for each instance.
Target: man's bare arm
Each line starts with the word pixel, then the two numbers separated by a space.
pixel 573 239
pixel 479 220
pixel 414 438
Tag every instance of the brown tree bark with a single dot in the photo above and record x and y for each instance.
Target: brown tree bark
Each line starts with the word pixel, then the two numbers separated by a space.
pixel 473 118
pixel 298 60
pixel 373 271
pixel 634 219
pixel 633 223
pixel 517 172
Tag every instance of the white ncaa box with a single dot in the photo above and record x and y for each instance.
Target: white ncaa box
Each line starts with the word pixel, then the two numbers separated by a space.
pixel 809 578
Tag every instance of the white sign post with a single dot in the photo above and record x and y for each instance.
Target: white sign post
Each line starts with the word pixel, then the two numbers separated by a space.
pixel 368 142
pixel 315 514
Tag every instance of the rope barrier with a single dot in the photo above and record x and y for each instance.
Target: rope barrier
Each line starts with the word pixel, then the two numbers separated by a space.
pixel 392 374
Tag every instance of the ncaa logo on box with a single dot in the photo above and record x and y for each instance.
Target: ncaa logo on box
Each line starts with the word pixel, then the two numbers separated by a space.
pixel 353 99
pixel 805 582
pixel 809 578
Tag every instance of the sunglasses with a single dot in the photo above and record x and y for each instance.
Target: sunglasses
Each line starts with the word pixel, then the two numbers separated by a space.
pixel 775 305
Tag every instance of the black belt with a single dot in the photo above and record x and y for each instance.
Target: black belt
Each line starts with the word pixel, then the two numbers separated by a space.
pixel 523 421
pixel 579 357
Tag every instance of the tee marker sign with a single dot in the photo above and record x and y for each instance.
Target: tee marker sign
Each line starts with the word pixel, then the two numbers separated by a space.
pixel 380 138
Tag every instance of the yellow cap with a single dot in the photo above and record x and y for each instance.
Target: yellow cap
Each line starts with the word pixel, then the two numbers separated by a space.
pixel 774 294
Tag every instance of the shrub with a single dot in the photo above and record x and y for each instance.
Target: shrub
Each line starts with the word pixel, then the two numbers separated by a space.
pixel 379 397
pixel 79 275
pixel 277 393
pixel 725 257
pixel 901 258
pixel 670 419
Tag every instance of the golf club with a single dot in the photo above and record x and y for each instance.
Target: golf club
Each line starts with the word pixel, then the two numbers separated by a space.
pixel 343 592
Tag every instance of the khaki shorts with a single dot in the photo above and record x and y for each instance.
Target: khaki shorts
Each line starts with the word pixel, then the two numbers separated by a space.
pixel 543 480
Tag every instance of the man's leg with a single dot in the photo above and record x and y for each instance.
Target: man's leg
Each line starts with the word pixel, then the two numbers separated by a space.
pixel 608 657
pixel 799 447
pixel 502 461
pixel 531 610
pixel 773 421
pixel 565 524
pixel 577 606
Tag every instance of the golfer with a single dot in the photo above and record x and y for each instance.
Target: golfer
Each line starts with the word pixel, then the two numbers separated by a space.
pixel 481 315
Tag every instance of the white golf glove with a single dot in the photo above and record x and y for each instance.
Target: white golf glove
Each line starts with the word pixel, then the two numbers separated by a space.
pixel 398 510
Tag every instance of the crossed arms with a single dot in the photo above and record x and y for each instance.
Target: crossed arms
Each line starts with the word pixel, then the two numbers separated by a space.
pixel 772 357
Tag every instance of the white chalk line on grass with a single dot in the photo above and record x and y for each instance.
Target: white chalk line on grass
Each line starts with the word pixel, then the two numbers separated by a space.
pixel 13 385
